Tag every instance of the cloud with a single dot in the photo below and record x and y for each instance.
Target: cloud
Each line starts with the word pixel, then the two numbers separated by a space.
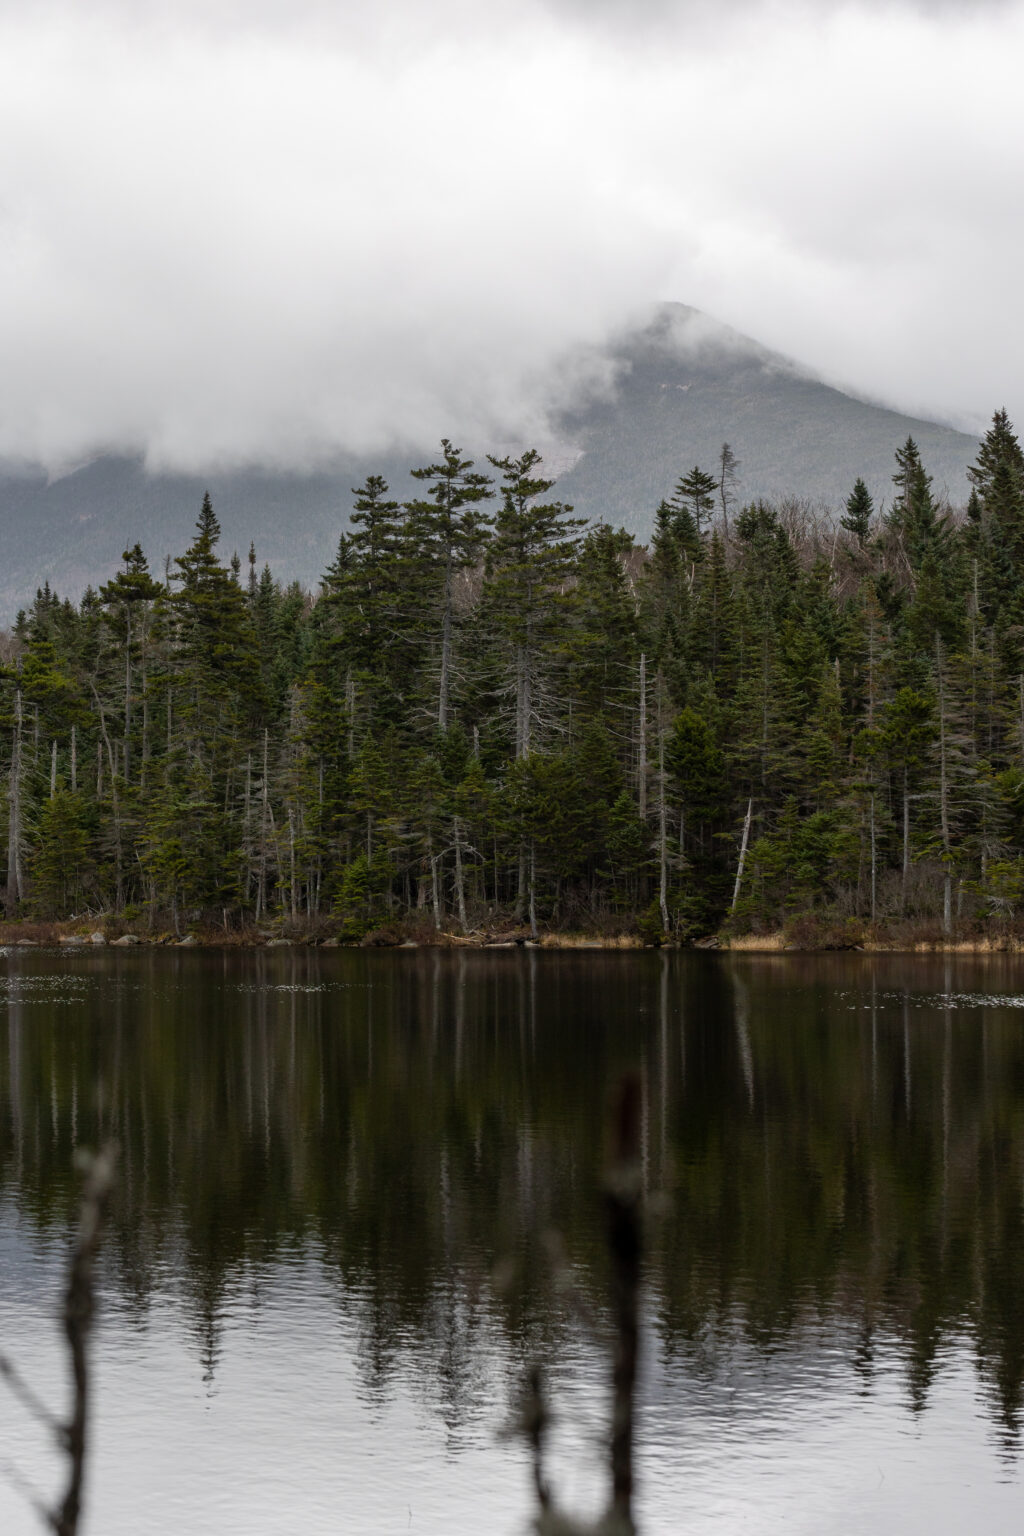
pixel 254 235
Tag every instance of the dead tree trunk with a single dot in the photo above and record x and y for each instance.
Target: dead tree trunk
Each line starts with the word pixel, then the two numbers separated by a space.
pixel 524 702
pixel 444 685
pixel 641 770
pixel 350 709
pixel 435 889
pixel 947 851
pixel 127 692
pixel 460 888
pixel 743 856
pixel 291 865
pixel 115 803
pixel 662 820
pixel 874 861
pixel 14 887
pixel 906 844
pixel 533 892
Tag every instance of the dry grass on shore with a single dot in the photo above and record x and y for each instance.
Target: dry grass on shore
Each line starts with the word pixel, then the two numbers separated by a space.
pixel 804 934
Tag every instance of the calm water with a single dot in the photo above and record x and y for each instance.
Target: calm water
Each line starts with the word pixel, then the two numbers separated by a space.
pixel 329 1260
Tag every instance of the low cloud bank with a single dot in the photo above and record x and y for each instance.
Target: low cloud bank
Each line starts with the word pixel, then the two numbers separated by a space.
pixel 243 235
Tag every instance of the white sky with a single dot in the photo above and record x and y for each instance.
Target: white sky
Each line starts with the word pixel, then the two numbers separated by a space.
pixel 251 230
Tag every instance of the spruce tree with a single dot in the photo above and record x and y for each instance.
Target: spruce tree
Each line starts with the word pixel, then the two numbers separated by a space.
pixel 859 509
pixel 695 494
pixel 529 558
pixel 999 447
pixel 374 595
pixel 997 479
pixel 129 600
pixel 914 518
pixel 446 533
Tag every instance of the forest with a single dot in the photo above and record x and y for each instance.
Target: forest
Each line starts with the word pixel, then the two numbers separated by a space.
pixel 494 720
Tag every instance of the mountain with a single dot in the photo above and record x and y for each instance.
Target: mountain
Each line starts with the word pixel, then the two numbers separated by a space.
pixel 683 385
pixel 687 384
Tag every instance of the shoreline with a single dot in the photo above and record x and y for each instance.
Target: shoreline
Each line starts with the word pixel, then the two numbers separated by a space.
pixel 108 933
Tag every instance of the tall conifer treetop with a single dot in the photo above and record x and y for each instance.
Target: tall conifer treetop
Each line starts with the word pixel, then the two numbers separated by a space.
pixel 859 509
pixel 446 532
pixel 695 493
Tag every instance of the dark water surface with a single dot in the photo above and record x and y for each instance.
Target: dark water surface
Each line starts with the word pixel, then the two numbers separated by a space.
pixel 328 1262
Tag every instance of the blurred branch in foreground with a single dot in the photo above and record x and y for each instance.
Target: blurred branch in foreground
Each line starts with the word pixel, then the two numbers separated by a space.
pixel 76 1317
pixel 623 1188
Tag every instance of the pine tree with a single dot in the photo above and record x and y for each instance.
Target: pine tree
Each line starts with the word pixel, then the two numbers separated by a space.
pixel 603 643
pixel 374 598
pixel 695 495
pixel 63 863
pixel 999 447
pixel 859 509
pixel 531 553
pixel 696 766
pixel 997 523
pixel 913 518
pixel 667 592
pixel 129 600
pixel 446 534
pixel 213 632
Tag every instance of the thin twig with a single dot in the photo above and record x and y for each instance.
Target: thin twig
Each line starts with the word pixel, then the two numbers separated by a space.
pixel 22 1486
pixel 34 1405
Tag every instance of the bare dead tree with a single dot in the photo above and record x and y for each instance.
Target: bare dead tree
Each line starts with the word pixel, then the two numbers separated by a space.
pixel 14 829
pixel 743 856
pixel 77 1317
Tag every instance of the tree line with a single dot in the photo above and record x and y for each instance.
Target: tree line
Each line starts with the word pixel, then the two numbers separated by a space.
pixel 490 714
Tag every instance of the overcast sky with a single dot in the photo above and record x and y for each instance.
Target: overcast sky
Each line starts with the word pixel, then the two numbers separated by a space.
pixel 263 230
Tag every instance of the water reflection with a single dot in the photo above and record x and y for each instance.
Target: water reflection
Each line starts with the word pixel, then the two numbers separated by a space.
pixel 842 1139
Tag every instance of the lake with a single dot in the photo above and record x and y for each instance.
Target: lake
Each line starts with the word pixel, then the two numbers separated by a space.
pixel 360 1193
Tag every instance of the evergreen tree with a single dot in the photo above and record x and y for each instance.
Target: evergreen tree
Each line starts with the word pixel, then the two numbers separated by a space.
pixel 63 865
pixel 859 508
pixel 373 594
pixel 999 448
pixel 913 519
pixel 695 495
pixel 613 715
pixel 997 521
pixel 530 555
pixel 213 633
pixel 446 534
pixel 129 600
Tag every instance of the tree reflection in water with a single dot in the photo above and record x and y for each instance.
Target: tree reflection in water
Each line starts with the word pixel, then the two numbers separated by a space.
pixel 842 1139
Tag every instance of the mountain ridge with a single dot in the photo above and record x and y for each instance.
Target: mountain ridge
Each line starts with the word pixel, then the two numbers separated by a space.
pixel 689 385
pixel 683 385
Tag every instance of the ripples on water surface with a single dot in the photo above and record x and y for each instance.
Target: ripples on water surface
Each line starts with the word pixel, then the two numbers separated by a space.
pixel 325 1156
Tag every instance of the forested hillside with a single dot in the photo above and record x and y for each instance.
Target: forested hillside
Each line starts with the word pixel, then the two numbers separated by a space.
pixel 491 715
